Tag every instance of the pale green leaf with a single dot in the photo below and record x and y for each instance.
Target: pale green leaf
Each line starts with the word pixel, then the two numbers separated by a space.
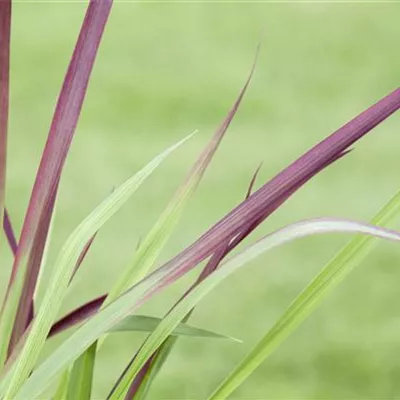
pixel 81 376
pixel 144 323
pixel 62 387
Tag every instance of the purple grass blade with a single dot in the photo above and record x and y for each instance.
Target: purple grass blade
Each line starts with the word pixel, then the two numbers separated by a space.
pixel 208 153
pixel 219 255
pixel 83 255
pixel 59 140
pixel 5 35
pixel 264 201
pixel 78 315
pixel 9 232
pixel 253 181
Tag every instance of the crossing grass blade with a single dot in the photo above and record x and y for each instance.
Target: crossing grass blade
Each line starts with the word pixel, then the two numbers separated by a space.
pixel 111 315
pixel 278 238
pixel 310 298
pixel 64 267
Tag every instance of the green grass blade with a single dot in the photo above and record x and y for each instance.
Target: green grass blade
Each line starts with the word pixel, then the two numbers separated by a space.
pixel 81 376
pixel 64 267
pixel 61 391
pixel 311 297
pixel 278 238
pixel 144 323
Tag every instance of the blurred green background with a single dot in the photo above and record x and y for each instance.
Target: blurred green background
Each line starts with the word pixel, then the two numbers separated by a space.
pixel 166 69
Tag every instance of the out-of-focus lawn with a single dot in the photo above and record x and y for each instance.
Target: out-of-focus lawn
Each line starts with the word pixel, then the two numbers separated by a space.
pixel 167 69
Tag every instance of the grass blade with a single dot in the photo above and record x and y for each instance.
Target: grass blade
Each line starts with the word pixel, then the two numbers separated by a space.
pixel 9 232
pixel 111 315
pixel 62 388
pixel 81 376
pixel 144 323
pixel 5 35
pixel 64 267
pixel 78 315
pixel 60 136
pixel 310 298
pixel 278 238
pixel 151 246
pixel 83 255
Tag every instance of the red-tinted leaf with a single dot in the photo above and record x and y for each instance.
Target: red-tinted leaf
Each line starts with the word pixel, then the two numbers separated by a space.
pixel 83 255
pixel 268 198
pixel 5 33
pixel 9 231
pixel 58 143
pixel 78 315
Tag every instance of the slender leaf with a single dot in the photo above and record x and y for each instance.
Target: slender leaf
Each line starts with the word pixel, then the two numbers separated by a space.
pixel 83 254
pixel 278 238
pixel 59 139
pixel 77 315
pixel 151 246
pixel 81 376
pixel 310 298
pixel 111 315
pixel 64 267
pixel 253 181
pixel 5 34
pixel 62 388
pixel 9 232
pixel 144 323
pixel 140 323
